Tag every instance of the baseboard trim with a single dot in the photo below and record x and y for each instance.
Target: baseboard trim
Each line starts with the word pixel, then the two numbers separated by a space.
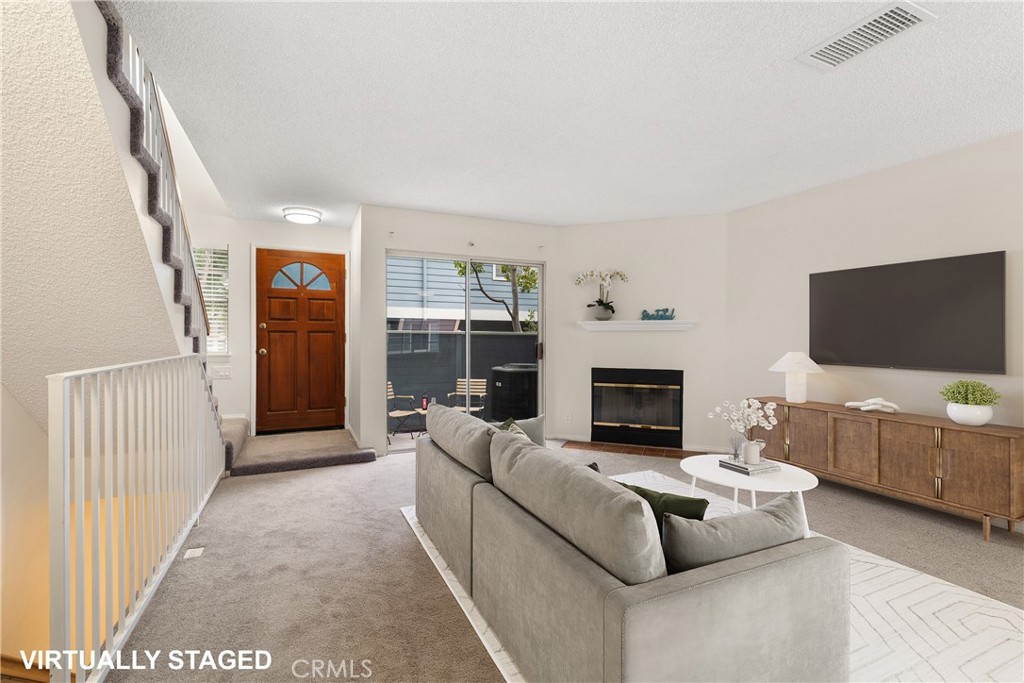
pixel 13 669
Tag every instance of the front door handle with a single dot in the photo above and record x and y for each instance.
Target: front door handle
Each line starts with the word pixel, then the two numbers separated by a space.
pixel 263 326
pixel 263 352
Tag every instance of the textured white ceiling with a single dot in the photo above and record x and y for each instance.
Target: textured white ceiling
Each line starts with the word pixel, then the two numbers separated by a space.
pixel 565 113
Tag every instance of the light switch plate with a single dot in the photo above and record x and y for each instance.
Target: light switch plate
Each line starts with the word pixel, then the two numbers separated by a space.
pixel 220 372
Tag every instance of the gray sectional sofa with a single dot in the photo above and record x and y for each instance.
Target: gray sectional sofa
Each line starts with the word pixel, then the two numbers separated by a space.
pixel 567 568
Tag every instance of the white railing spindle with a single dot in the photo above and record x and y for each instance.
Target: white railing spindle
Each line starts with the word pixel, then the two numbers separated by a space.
pixel 79 508
pixel 135 453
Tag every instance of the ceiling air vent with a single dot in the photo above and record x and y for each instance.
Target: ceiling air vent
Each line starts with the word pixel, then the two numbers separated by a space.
pixel 886 23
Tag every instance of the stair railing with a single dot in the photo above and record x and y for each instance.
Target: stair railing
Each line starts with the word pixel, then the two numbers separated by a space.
pixel 135 453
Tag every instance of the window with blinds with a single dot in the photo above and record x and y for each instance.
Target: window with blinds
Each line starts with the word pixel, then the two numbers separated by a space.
pixel 212 270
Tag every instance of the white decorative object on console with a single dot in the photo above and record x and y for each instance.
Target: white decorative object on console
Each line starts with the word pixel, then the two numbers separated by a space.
pixel 972 416
pixel 874 404
pixel 796 365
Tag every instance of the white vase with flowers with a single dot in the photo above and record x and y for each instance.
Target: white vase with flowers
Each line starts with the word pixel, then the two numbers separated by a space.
pixel 747 414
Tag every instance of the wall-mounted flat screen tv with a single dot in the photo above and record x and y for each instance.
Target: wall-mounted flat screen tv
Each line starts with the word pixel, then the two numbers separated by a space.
pixel 939 314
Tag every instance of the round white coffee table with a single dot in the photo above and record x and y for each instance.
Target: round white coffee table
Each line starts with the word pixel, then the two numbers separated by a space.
pixel 788 478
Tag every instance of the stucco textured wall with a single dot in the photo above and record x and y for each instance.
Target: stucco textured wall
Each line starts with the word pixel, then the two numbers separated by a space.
pixel 79 286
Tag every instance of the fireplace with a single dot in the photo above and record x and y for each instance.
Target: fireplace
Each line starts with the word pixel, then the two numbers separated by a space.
pixel 640 407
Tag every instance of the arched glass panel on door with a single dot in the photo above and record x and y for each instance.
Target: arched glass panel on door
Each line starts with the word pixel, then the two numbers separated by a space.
pixel 294 271
pixel 307 274
pixel 281 281
pixel 320 283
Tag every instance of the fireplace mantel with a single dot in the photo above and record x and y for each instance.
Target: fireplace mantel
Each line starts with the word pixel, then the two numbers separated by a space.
pixel 636 325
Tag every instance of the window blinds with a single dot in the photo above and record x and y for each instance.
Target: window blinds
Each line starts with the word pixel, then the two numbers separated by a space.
pixel 212 270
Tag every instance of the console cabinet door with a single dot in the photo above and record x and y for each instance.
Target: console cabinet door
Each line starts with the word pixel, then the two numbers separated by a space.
pixel 907 457
pixel 853 446
pixel 807 435
pixel 975 471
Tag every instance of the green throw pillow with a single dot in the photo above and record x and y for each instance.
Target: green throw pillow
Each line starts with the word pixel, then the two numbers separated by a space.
pixel 511 427
pixel 670 503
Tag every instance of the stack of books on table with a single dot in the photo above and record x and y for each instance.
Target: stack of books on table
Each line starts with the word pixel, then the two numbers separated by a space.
pixel 763 467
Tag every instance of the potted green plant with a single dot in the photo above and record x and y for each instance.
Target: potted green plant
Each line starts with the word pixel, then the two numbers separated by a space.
pixel 969 402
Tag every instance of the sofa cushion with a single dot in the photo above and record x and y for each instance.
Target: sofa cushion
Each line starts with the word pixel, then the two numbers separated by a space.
pixel 610 524
pixel 690 544
pixel 533 427
pixel 670 503
pixel 462 436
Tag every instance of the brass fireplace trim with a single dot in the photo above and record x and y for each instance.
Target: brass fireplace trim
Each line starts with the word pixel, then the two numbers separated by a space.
pixel 637 386
pixel 623 424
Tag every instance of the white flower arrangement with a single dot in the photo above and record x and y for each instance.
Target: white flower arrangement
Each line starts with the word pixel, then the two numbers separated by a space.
pixel 749 413
pixel 604 277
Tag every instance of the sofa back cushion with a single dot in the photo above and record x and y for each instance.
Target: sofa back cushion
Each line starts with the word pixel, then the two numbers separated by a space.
pixel 609 523
pixel 692 543
pixel 462 436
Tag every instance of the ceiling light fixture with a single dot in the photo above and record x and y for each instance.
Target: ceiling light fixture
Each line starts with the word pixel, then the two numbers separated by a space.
pixel 302 215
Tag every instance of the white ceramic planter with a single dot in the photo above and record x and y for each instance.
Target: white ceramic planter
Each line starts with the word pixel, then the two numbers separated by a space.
pixel 973 416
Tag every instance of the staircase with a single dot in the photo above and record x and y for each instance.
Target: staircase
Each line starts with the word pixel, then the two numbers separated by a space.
pixel 135 450
pixel 148 142
pixel 236 431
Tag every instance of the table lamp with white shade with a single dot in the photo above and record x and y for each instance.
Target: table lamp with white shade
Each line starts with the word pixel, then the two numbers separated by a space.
pixel 796 365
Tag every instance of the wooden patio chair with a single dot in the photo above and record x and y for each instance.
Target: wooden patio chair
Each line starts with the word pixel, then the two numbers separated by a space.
pixel 400 407
pixel 477 395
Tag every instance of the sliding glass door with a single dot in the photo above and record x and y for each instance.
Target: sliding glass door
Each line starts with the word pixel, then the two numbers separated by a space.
pixel 462 333
pixel 503 338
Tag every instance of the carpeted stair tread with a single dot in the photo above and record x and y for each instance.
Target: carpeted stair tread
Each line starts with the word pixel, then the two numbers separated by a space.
pixel 299 451
pixel 235 431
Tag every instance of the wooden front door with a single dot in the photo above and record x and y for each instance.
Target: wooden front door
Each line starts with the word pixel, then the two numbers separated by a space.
pixel 300 336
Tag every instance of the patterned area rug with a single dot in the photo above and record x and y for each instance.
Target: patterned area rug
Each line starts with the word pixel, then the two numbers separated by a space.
pixel 904 626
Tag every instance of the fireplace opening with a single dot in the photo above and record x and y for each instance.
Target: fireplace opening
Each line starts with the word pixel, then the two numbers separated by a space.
pixel 637 406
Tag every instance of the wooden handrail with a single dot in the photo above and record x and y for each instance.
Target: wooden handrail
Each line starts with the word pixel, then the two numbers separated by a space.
pixel 181 207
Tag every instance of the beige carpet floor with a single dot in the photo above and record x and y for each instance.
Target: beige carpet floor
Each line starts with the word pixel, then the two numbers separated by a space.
pixel 320 564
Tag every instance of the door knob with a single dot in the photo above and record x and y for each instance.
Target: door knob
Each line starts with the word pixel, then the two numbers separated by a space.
pixel 263 352
pixel 263 326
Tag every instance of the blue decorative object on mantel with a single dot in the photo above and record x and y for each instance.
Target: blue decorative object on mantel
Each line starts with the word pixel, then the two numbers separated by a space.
pixel 659 314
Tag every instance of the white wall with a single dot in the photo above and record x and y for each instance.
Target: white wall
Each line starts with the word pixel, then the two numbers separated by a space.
pixel 235 392
pixel 671 263
pixel 378 230
pixel 80 289
pixel 744 278
pixel 211 225
pixel 93 31
pixel 24 602
pixel 354 331
pixel 961 202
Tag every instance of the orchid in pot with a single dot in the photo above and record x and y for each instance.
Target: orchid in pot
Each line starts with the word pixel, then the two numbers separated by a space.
pixel 749 413
pixel 604 310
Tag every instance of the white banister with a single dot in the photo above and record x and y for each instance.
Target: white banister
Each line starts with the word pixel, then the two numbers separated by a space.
pixel 135 451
